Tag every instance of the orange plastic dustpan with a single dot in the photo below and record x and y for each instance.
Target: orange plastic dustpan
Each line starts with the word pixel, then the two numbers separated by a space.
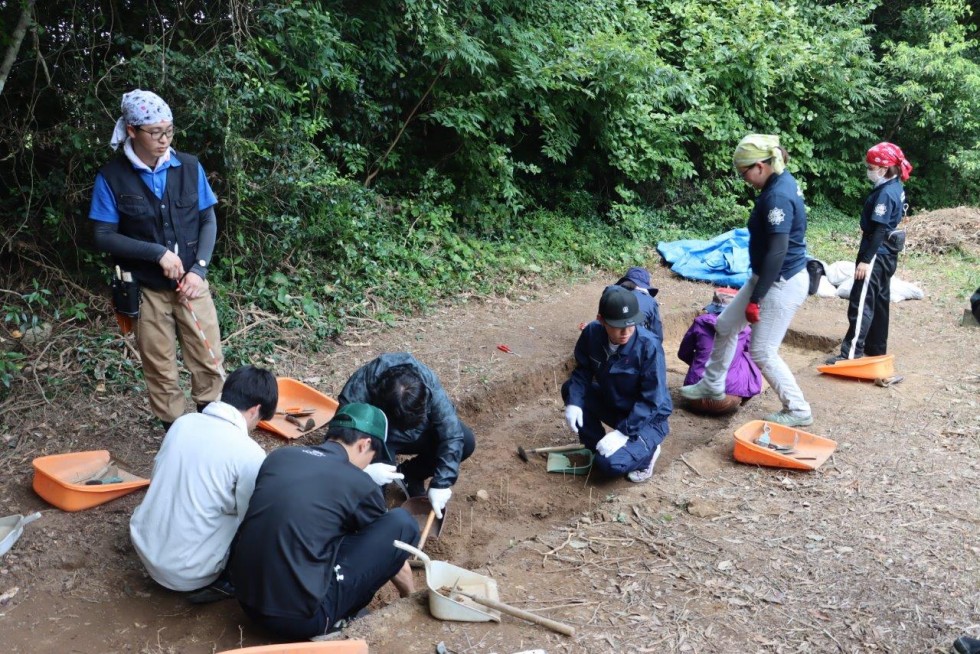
pixel 327 647
pixel 297 396
pixel 808 452
pixel 60 479
pixel 880 367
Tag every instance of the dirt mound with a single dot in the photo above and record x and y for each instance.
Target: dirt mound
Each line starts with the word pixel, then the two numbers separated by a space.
pixel 945 230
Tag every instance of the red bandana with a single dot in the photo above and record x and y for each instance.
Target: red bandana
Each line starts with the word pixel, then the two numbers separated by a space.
pixel 888 154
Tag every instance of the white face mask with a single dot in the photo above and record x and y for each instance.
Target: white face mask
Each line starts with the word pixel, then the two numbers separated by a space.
pixel 874 177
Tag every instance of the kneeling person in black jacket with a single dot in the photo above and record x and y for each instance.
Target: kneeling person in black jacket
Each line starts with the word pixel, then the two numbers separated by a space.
pixel 316 543
pixel 423 422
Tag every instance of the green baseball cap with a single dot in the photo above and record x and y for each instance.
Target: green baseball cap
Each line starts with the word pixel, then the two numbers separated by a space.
pixel 369 420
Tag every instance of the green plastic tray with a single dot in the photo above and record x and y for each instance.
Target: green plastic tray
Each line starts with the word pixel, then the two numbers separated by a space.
pixel 576 462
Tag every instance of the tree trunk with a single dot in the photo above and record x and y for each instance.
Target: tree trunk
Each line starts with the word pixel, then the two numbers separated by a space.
pixel 16 39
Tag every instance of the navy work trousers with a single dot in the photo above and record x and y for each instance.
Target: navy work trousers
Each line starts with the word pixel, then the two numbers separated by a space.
pixel 867 316
pixel 635 455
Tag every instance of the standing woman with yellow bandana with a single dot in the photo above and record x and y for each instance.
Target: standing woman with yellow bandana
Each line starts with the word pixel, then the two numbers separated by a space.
pixel 777 288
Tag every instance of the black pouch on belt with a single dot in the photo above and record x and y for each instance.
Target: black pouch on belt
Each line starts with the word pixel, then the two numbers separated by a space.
pixel 126 295
pixel 896 240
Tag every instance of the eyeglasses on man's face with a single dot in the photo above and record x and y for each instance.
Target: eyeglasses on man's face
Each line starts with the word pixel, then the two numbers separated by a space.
pixel 158 134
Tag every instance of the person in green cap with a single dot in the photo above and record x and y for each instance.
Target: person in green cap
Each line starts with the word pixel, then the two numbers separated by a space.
pixel 316 542
pixel 778 285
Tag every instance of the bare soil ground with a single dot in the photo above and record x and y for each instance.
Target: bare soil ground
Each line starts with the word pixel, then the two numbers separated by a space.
pixel 875 551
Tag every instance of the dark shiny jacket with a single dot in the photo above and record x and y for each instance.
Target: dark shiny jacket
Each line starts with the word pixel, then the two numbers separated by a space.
pixel 440 414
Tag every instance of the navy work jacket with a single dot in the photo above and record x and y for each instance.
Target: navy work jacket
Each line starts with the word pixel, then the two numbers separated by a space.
pixel 631 382
pixel 173 221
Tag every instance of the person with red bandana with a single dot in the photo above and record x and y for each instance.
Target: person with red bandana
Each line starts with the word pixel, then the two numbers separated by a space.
pixel 877 257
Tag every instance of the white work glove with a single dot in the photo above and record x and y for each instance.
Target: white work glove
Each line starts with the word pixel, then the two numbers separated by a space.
pixel 610 443
pixel 573 416
pixel 438 498
pixel 382 473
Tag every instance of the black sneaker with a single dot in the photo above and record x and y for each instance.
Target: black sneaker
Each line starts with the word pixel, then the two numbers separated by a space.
pixel 834 359
pixel 343 623
pixel 222 589
pixel 966 645
pixel 411 486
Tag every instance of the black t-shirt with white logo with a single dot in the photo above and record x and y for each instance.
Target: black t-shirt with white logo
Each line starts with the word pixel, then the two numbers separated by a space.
pixel 306 500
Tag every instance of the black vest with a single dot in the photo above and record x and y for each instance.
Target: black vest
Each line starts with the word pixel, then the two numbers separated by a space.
pixel 168 221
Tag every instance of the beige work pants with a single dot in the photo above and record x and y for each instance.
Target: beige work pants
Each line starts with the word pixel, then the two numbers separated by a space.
pixel 163 322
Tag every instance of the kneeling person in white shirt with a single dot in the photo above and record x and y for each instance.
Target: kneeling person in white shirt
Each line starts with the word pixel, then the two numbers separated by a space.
pixel 203 478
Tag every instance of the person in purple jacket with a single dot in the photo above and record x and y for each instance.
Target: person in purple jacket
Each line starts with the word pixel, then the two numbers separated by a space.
pixel 744 379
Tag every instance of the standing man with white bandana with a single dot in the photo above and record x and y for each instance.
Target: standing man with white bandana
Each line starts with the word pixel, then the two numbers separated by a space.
pixel 153 211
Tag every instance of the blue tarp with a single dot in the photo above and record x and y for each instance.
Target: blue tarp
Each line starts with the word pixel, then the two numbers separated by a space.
pixel 723 261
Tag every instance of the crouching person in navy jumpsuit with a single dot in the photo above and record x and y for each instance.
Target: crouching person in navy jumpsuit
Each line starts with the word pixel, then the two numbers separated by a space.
pixel 317 541
pixel 620 379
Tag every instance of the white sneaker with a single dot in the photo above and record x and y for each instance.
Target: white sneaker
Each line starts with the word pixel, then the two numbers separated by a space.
pixel 638 476
pixel 701 392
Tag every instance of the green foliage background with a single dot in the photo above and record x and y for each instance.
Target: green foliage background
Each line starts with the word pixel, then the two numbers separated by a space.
pixel 383 154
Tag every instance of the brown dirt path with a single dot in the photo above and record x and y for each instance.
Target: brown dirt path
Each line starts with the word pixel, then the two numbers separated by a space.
pixel 875 551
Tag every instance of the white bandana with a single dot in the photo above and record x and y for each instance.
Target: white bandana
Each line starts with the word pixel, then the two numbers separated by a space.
pixel 139 108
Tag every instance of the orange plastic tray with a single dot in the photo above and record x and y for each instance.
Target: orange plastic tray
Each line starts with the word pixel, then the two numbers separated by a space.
pixel 60 479
pixel 810 452
pixel 328 647
pixel 881 367
pixel 294 394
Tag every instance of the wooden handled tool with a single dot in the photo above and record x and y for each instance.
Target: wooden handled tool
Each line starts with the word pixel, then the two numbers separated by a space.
pixel 296 411
pixel 428 526
pixel 521 452
pixel 554 625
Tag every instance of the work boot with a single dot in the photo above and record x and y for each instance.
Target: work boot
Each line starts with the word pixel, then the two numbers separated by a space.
pixel 411 487
pixel 789 420
pixel 831 360
pixel 414 487
pixel 966 645
pixel 701 392
pixel 639 476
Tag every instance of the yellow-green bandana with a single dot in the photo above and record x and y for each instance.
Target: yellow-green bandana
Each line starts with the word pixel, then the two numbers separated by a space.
pixel 759 147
